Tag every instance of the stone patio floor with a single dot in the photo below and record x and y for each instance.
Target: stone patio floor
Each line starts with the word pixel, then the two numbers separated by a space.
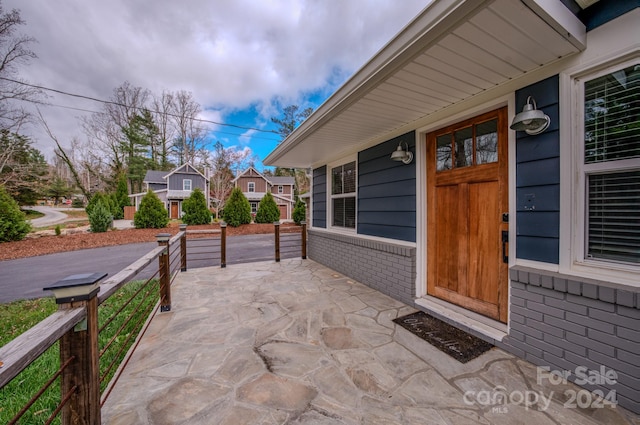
pixel 298 343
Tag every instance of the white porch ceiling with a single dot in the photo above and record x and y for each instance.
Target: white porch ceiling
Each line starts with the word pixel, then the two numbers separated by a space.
pixel 452 51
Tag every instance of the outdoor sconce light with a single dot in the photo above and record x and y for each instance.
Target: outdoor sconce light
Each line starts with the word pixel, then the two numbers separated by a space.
pixel 403 155
pixel 530 120
pixel 77 287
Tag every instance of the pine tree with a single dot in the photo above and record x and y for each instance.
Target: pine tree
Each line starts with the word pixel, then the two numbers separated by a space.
pixel 195 209
pixel 100 219
pixel 13 223
pixel 299 212
pixel 120 198
pixel 268 211
pixel 237 209
pixel 151 214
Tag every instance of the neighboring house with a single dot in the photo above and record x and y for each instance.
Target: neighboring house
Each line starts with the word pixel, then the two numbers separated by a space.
pixel 173 187
pixel 255 185
pixel 529 241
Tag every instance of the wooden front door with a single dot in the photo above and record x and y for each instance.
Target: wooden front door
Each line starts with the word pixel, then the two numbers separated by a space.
pixel 174 210
pixel 467 194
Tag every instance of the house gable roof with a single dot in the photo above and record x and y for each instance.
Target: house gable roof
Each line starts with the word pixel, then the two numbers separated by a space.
pixel 153 176
pixel 282 180
pixel 452 52
pixel 186 168
pixel 250 172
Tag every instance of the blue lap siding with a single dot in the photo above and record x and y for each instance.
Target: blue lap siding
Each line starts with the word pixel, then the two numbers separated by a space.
pixel 538 178
pixel 387 192
pixel 319 197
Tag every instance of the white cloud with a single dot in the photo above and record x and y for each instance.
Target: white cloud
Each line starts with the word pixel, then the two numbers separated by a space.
pixel 231 54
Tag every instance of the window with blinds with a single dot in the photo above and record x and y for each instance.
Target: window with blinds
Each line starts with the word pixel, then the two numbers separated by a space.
pixel 612 165
pixel 343 195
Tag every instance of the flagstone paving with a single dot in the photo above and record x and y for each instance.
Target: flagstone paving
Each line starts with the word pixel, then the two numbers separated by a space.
pixel 297 343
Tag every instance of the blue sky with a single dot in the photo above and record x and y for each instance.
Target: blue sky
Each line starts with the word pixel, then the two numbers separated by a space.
pixel 242 60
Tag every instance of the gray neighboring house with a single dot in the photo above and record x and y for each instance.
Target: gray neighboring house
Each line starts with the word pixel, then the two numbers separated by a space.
pixel 173 187
pixel 430 184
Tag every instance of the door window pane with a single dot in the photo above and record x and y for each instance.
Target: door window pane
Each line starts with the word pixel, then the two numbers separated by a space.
pixel 443 152
pixel 464 147
pixel 487 142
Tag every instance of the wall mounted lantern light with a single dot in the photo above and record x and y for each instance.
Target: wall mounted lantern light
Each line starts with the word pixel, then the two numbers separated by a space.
pixel 403 155
pixel 530 120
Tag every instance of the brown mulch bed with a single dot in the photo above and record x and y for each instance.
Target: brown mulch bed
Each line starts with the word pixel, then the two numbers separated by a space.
pixel 33 246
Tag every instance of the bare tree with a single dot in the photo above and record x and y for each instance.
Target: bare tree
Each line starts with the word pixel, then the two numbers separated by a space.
pixel 14 52
pixel 162 107
pixel 189 132
pixel 224 161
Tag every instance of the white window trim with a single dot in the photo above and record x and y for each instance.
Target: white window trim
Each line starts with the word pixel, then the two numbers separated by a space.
pixel 330 197
pixel 572 178
pixel 184 185
pixel 251 187
pixel 280 189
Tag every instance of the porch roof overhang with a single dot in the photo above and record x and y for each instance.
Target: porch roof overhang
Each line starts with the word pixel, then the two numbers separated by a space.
pixel 454 50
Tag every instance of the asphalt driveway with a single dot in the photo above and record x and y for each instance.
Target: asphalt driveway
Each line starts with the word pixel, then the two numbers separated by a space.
pixel 24 278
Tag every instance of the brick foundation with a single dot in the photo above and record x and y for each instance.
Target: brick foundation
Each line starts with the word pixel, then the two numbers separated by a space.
pixel 385 267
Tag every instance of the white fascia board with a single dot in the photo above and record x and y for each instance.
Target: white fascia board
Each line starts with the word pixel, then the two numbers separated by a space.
pixel 561 19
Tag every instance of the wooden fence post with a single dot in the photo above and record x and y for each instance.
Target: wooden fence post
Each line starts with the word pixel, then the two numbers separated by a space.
pixel 277 232
pixel 223 244
pixel 183 248
pixel 80 380
pixel 304 240
pixel 165 272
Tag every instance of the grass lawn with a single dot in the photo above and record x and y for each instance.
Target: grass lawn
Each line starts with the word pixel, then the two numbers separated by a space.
pixel 31 214
pixel 17 317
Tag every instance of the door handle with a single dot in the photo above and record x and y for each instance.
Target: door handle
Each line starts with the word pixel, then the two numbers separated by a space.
pixel 505 241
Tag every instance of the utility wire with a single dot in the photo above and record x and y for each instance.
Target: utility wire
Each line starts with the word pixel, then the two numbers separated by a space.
pixel 110 102
pixel 73 108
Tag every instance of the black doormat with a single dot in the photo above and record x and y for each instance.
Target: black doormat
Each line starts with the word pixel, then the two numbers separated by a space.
pixel 446 338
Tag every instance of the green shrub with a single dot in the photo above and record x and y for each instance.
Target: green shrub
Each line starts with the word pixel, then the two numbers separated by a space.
pixel 237 209
pixel 100 197
pixel 195 209
pixel 100 218
pixel 13 224
pixel 268 211
pixel 77 203
pixel 58 230
pixel 151 213
pixel 299 211
pixel 120 198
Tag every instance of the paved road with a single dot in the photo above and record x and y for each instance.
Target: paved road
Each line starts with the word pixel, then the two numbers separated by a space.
pixel 51 216
pixel 25 277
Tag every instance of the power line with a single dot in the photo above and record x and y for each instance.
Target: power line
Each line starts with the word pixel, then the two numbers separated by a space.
pixel 99 112
pixel 110 102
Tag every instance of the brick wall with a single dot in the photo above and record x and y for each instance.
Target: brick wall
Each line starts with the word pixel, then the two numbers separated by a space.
pixel 386 267
pixel 564 323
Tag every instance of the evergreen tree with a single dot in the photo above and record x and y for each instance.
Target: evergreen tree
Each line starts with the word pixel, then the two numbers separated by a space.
pixel 268 211
pixel 120 198
pixel 151 214
pixel 100 219
pixel 13 223
pixel 195 209
pixel 100 197
pixel 237 209
pixel 299 211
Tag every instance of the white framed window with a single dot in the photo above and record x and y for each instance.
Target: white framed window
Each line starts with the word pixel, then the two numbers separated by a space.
pixel 343 195
pixel 251 187
pixel 254 207
pixel 186 184
pixel 280 189
pixel 607 160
